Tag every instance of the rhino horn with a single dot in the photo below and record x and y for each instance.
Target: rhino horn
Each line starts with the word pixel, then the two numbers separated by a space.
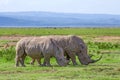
pixel 93 61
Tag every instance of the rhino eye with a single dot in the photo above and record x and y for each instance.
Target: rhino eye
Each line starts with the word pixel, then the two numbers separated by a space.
pixel 82 46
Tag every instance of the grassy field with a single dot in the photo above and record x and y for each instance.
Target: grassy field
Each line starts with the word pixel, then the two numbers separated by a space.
pixel 100 41
pixel 60 31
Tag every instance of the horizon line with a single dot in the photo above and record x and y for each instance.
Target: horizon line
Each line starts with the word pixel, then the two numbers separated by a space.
pixel 57 12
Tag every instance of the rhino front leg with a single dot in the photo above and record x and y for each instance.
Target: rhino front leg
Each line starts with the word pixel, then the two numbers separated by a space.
pixel 46 61
pixel 73 58
pixel 17 60
pixel 39 61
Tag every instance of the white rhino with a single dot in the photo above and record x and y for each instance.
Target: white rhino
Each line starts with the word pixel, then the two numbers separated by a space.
pixel 38 47
pixel 72 46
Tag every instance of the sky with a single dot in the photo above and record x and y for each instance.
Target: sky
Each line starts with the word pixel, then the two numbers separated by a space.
pixel 63 6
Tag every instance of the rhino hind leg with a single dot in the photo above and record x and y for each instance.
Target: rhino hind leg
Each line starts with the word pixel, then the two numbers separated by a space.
pixel 22 63
pixel 32 61
pixel 22 60
pixel 39 61
pixel 17 59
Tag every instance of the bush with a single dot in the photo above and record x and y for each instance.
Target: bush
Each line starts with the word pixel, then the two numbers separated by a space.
pixel 103 45
pixel 96 47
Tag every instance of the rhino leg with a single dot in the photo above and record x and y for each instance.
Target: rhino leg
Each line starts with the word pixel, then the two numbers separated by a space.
pixel 46 61
pixel 39 61
pixel 17 59
pixel 22 60
pixel 73 58
pixel 20 56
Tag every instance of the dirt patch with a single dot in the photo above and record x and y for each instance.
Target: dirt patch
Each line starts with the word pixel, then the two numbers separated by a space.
pixel 12 40
pixel 108 39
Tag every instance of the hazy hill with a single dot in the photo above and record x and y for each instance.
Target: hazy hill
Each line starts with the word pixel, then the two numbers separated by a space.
pixel 57 19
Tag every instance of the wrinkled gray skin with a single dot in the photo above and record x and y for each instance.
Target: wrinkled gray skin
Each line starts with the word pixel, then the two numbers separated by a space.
pixel 78 47
pixel 38 47
pixel 72 46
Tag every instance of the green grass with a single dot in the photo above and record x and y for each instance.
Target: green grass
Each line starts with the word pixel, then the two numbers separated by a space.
pixel 108 68
pixel 60 31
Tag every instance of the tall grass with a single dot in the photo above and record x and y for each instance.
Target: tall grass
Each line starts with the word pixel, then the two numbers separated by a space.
pixel 7 54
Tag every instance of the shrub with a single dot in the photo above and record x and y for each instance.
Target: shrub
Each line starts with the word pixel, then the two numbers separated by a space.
pixel 103 45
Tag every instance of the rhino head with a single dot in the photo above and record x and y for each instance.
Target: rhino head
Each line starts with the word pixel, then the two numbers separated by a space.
pixel 60 57
pixel 78 46
pixel 83 57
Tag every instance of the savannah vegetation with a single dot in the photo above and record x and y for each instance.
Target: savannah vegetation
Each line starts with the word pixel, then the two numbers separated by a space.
pixel 100 41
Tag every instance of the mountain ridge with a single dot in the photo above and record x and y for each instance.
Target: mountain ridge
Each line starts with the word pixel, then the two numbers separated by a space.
pixel 57 19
